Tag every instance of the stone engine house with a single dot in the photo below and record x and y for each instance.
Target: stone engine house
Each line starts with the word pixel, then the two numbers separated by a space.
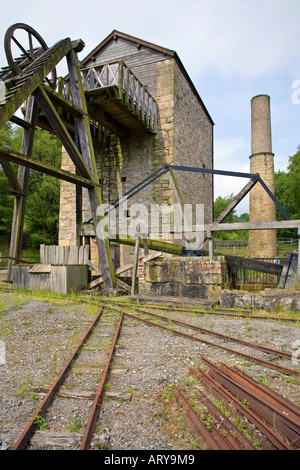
pixel 147 113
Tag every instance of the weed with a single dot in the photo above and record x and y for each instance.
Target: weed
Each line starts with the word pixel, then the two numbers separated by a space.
pixel 74 425
pixel 40 423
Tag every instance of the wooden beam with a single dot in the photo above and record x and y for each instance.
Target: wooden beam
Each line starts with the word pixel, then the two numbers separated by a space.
pixel 23 178
pixel 63 103
pixel 47 168
pixel 62 132
pixel 20 122
pixel 236 201
pixel 254 265
pixel 11 176
pixel 33 77
pixel 107 121
pixel 135 264
pixel 87 149
pixel 273 225
pixel 155 245
pixel 125 268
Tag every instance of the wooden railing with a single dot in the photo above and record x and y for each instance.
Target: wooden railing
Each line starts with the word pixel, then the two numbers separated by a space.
pixel 131 91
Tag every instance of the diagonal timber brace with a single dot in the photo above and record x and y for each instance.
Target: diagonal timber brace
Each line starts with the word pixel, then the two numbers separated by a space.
pixel 87 150
pixel 28 85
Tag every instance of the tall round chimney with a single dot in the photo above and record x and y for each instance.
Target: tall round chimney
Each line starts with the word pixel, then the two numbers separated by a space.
pixel 262 243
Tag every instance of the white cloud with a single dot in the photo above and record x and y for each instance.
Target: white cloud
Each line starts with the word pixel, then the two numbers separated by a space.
pixel 231 154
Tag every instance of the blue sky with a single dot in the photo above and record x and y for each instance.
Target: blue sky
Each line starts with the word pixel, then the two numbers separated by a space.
pixel 232 50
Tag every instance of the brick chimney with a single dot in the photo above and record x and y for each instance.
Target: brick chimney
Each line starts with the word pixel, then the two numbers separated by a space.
pixel 262 243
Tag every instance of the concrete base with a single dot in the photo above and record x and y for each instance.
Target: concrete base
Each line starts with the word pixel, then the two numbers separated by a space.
pixel 60 279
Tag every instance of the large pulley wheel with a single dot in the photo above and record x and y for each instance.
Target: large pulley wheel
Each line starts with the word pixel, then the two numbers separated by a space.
pixel 22 39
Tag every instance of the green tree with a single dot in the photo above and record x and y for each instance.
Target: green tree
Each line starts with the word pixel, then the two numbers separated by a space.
pixel 293 185
pixel 220 205
pixel 10 138
pixel 42 207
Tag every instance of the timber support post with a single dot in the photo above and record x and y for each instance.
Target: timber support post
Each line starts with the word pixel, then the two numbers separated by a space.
pixel 23 177
pixel 298 271
pixel 87 150
pixel 135 264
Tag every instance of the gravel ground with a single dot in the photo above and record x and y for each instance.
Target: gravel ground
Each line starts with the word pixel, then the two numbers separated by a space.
pixel 138 411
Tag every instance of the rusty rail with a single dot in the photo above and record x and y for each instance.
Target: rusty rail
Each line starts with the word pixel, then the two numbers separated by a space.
pixel 269 364
pixel 276 417
pixel 88 434
pixel 31 426
pixel 223 312
pixel 197 426
pixel 221 434
pixel 223 394
pixel 48 399
pixel 265 349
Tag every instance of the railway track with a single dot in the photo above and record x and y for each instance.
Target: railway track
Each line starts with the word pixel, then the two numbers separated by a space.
pixel 225 339
pixel 93 333
pixel 106 326
pixel 275 418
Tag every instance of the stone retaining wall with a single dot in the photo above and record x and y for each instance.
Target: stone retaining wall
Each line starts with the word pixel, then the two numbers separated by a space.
pixel 182 277
pixel 268 299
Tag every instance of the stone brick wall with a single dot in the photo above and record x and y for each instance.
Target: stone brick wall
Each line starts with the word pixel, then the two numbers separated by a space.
pixel 193 146
pixel 182 277
pixel 262 244
pixel 184 137
pixel 67 205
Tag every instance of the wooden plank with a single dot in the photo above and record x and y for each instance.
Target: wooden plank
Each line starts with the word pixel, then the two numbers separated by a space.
pixel 42 254
pixel 73 255
pixel 11 176
pixel 80 255
pixel 153 245
pixel 67 254
pixel 62 132
pixel 86 254
pixel 23 177
pixel 87 149
pixel 254 265
pixel 288 224
pixel 235 201
pixel 36 72
pixel 60 254
pixel 50 257
pixel 125 268
pixel 135 264
pixel 93 266
pixel 43 167
pixel 123 285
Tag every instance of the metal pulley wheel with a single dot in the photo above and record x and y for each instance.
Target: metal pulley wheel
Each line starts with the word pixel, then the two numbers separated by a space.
pixel 25 40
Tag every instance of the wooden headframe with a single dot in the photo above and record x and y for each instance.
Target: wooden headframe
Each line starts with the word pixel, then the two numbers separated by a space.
pixel 28 85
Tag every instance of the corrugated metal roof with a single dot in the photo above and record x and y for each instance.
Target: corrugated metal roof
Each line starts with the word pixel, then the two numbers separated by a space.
pixel 40 269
